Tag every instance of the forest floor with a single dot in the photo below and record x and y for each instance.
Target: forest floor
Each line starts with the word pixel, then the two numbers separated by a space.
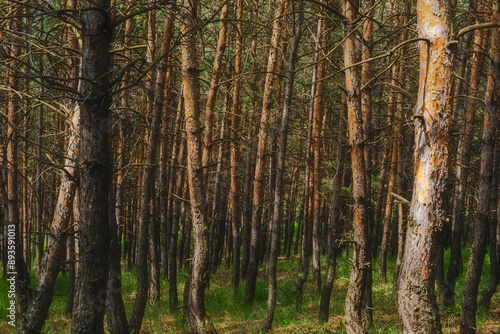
pixel 230 315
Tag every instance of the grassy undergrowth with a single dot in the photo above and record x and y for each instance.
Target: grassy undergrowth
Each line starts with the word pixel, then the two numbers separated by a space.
pixel 230 315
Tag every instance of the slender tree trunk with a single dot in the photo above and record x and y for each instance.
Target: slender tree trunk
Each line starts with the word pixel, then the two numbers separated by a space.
pixel 197 317
pixel 95 168
pixel 490 289
pixel 318 107
pixel 148 189
pixel 483 216
pixel 260 160
pixel 278 193
pixel 18 270
pixel 464 158
pixel 334 217
pixel 366 111
pixel 214 87
pixel 115 309
pixel 416 299
pixel 56 249
pixel 233 203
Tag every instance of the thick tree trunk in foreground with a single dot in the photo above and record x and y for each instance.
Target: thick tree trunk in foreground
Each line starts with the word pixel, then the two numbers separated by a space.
pixel 483 215
pixel 95 169
pixel 56 248
pixel 197 316
pixel 416 299
pixel 278 193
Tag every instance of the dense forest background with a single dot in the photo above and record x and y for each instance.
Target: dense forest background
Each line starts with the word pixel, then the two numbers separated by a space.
pixel 250 165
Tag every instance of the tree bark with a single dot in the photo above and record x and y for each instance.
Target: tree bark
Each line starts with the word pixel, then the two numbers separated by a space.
pixel 214 87
pixel 355 307
pixel 334 218
pixel 464 158
pixel 233 206
pixel 277 215
pixel 416 299
pixel 260 160
pixel 18 269
pixel 56 248
pixel 199 322
pixel 483 216
pixel 95 168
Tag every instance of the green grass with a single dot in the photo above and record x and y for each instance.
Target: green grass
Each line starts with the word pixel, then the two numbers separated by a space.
pixel 230 314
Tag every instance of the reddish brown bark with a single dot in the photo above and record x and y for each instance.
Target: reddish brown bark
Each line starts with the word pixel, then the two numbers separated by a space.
pixel 355 307
pixel 233 206
pixel 318 107
pixel 214 87
pixel 197 317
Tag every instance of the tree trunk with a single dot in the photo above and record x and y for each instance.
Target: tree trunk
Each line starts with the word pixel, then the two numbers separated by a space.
pixel 233 206
pixel 334 218
pixel 278 193
pixel 464 158
pixel 416 299
pixel 483 216
pixel 18 270
pixel 355 307
pixel 148 188
pixel 491 288
pixel 197 317
pixel 56 248
pixel 212 91
pixel 95 168
pixel 260 160
pixel 318 107
pixel 115 309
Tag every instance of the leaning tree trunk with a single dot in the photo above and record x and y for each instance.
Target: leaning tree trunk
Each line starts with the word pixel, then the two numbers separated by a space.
pixel 56 248
pixel 197 316
pixel 95 168
pixel 483 216
pixel 416 299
